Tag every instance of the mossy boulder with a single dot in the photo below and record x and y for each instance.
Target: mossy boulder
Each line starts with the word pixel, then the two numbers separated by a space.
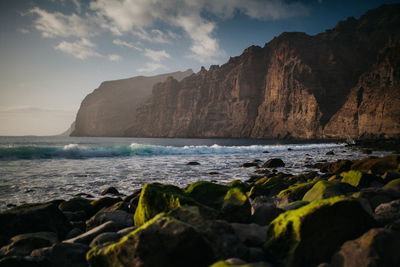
pixel 326 189
pixel 310 235
pixel 226 264
pixel 393 185
pixel 207 193
pixel 257 191
pixel 334 167
pixel 273 185
pixel 236 206
pixel 156 198
pixel 162 241
pixel 359 179
pixel 239 184
pixel 377 165
pixel 295 192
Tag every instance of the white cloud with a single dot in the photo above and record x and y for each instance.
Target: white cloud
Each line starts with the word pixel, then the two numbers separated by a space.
pixel 156 55
pixel 126 44
pixel 59 25
pixel 135 16
pixel 81 49
pixel 151 66
pixel 23 30
pixel 114 57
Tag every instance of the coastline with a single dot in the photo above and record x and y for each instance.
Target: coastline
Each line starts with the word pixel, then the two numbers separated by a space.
pixel 206 223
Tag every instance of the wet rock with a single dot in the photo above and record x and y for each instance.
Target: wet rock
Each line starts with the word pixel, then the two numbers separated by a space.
pixel 265 151
pixel 103 202
pixel 127 230
pixel 76 204
pixel 178 244
pixel 156 198
pixel 295 192
pixel 310 235
pixel 249 164
pixel 334 167
pixel 88 236
pixel 213 173
pixel 120 218
pixel 63 255
pixel 250 234
pixel 73 233
pixel 262 213
pixel 376 196
pixel 207 193
pixel 75 215
pixel 111 191
pixel 104 238
pixel 388 212
pixel 294 205
pixel 236 206
pixel 377 165
pixel 330 153
pixel 24 244
pixel 393 186
pixel 326 189
pixel 359 179
pixel 377 247
pixel 30 218
pixel 193 163
pixel 273 163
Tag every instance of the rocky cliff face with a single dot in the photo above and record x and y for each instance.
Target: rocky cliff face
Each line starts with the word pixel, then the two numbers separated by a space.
pixel 338 84
pixel 109 109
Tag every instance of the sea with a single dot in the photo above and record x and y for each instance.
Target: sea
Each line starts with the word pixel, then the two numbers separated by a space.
pixel 37 169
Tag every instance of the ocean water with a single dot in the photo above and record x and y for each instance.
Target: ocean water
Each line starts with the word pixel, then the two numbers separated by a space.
pixel 37 169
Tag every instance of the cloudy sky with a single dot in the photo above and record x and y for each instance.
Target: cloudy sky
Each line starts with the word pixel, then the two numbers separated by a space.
pixel 54 52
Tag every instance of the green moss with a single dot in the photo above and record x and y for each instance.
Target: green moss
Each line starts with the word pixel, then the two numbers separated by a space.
pixel 377 165
pixel 224 264
pixel 294 205
pixel 156 198
pixel 358 178
pixel 393 185
pixel 207 193
pixel 236 206
pixel 296 192
pixel 310 234
pixel 326 189
pixel 239 184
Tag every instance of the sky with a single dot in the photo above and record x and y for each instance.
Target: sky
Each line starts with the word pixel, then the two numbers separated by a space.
pixel 55 52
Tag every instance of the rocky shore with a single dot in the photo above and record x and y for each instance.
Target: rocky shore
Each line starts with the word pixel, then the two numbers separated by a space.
pixel 347 214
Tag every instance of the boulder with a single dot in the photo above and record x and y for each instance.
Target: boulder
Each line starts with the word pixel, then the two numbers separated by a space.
pixel 236 206
pixel 326 189
pixel 20 261
pixel 310 235
pixel 111 191
pixel 330 153
pixel 389 176
pixel 24 244
pixel 63 254
pixel 239 263
pixel 376 196
pixel 393 186
pixel 273 163
pixel 103 202
pixel 162 241
pixel 377 165
pixel 127 230
pixel 156 198
pixel 79 215
pixel 334 167
pixel 88 236
pixel 262 212
pixel 294 205
pixel 73 233
pixel 110 237
pixel 388 212
pixel 273 185
pixel 295 192
pixel 193 163
pixel 377 247
pixel 250 234
pixel 359 179
pixel 249 164
pixel 76 204
pixel 207 193
pixel 121 219
pixel 31 218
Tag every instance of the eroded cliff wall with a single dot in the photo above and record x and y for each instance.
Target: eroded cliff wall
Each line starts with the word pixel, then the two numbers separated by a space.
pixel 296 86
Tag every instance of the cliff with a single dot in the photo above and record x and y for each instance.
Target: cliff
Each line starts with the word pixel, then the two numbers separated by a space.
pixel 109 109
pixel 338 84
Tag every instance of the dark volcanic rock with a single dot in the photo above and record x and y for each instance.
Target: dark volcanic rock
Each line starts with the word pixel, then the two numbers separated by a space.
pixel 273 163
pixel 30 218
pixel 377 247
pixel 110 190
